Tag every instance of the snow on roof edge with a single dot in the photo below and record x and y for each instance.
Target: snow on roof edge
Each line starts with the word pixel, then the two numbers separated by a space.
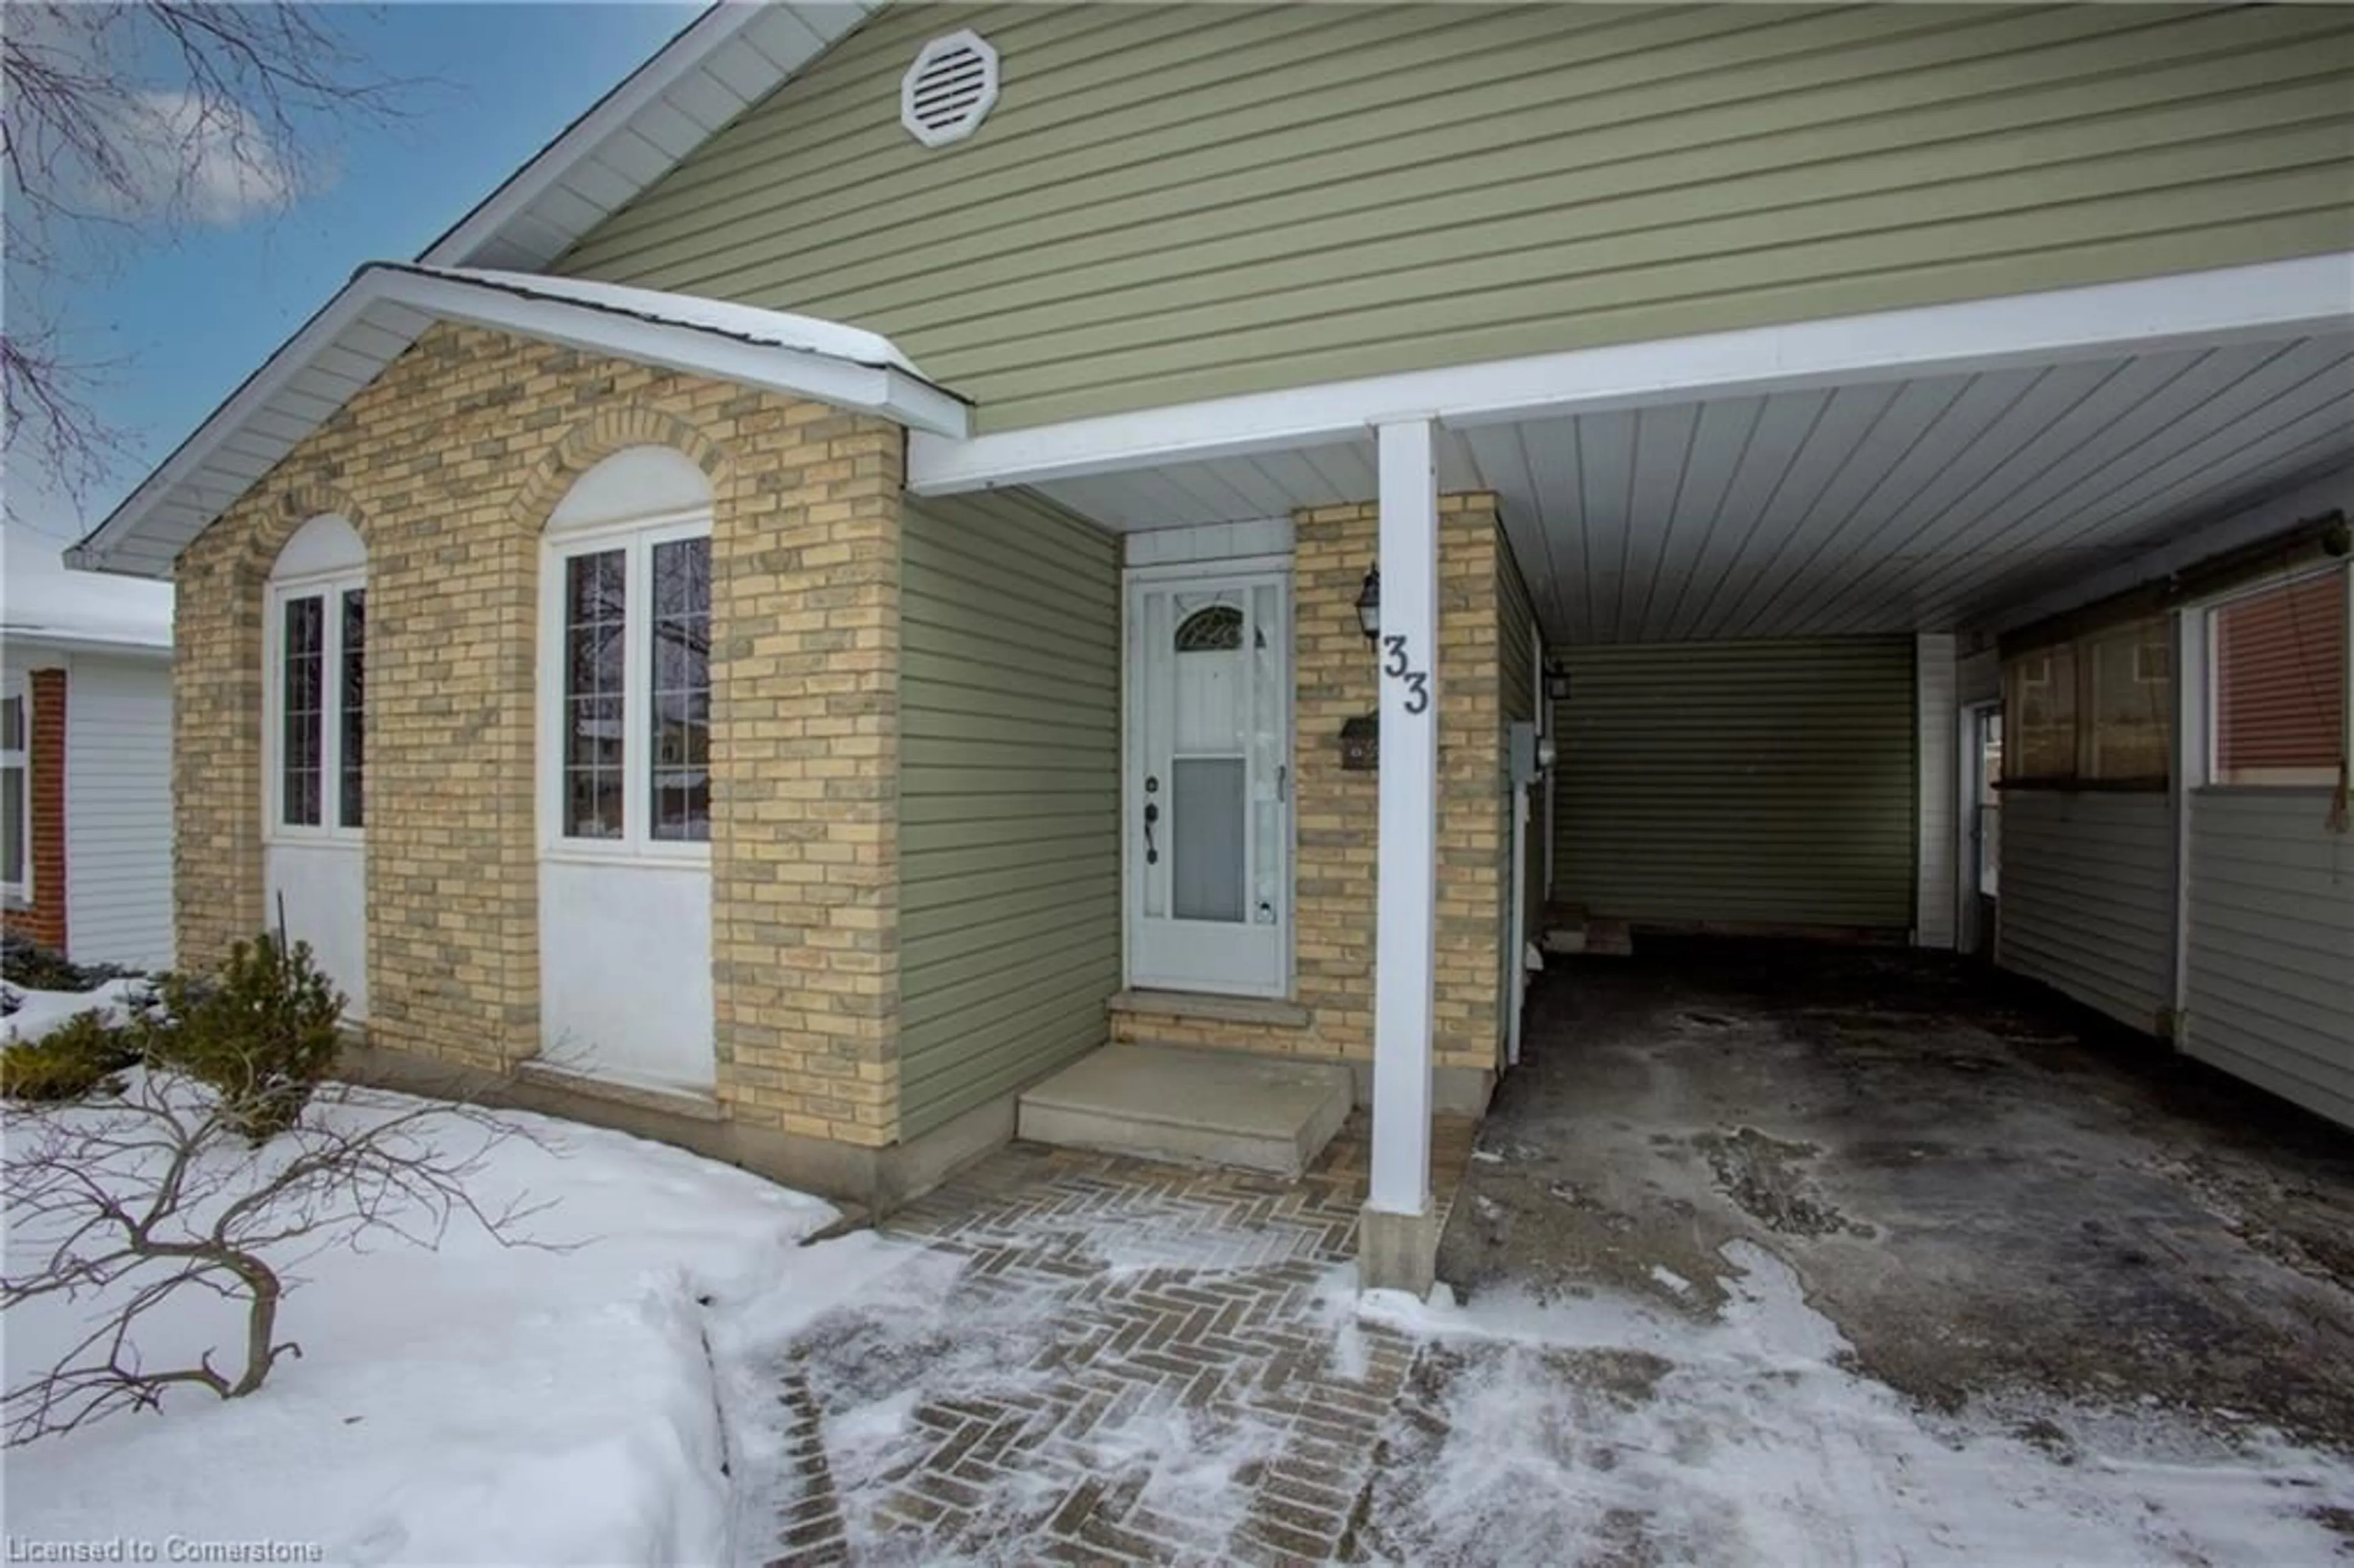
pixel 429 291
pixel 139 640
pixel 747 323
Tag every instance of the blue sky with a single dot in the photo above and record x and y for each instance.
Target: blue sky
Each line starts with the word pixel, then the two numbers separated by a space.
pixel 185 321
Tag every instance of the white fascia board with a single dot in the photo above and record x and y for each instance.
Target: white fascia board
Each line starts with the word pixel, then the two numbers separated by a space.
pixel 2333 491
pixel 258 391
pixel 843 382
pixel 491 226
pixel 2267 300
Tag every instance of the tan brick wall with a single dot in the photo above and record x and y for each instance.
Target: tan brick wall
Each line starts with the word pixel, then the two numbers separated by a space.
pixel 447 465
pixel 1336 810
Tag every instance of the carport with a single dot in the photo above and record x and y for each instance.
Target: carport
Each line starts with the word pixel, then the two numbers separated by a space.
pixel 1770 569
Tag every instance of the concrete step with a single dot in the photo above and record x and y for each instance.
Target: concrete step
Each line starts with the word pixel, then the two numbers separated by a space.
pixel 1589 936
pixel 1202 1107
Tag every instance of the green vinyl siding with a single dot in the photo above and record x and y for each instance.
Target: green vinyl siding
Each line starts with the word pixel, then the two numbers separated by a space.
pixel 1009 798
pixel 1516 636
pixel 1177 202
pixel 1739 783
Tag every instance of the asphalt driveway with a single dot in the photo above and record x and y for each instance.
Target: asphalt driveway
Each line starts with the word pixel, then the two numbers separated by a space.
pixel 1994 1196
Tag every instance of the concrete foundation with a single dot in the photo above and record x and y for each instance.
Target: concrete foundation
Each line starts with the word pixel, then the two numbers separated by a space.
pixel 1454 1091
pixel 1398 1252
pixel 873 1181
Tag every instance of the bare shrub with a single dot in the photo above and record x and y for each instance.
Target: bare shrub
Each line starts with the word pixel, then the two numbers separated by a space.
pixel 130 1202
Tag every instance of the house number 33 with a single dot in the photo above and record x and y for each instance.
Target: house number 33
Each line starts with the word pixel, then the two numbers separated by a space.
pixel 1398 666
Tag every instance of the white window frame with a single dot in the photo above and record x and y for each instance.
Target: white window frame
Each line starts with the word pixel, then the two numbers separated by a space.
pixel 636 538
pixel 20 756
pixel 275 829
pixel 2206 634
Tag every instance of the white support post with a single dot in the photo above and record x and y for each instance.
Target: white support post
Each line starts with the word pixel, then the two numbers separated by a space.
pixel 1399 1241
pixel 1936 871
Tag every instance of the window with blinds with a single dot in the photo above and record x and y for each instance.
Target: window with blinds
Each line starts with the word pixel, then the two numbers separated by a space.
pixel 2280 685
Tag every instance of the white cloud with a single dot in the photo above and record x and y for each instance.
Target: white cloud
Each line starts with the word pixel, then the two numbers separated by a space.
pixel 209 163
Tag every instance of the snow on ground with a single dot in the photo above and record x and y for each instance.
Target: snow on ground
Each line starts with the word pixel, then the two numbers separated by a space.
pixel 1600 1429
pixel 38 1011
pixel 471 1404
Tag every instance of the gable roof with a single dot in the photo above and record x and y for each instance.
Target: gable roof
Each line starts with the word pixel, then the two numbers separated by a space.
pixel 728 58
pixel 721 64
pixel 387 304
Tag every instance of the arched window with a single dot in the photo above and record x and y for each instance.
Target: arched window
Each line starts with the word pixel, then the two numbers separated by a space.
pixel 625 669
pixel 1216 629
pixel 315 703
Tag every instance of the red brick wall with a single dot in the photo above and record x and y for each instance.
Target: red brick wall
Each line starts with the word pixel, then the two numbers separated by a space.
pixel 45 922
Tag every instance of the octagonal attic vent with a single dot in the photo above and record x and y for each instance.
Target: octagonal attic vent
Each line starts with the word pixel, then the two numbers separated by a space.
pixel 950 89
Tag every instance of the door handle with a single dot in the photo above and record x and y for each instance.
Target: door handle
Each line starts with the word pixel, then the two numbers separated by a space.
pixel 1283 781
pixel 1152 815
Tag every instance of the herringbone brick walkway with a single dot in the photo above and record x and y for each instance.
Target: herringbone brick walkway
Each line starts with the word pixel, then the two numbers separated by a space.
pixel 1092 1358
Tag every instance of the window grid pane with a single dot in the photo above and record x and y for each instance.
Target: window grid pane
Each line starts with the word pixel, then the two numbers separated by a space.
pixel 2039 709
pixel 679 712
pixel 12 825
pixel 302 759
pixel 595 666
pixel 351 809
pixel 12 724
pixel 2130 728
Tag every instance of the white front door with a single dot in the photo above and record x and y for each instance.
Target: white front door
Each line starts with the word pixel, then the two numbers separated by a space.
pixel 1209 783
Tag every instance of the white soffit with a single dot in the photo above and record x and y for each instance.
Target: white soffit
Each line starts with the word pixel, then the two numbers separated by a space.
pixel 1928 502
pixel 387 305
pixel 730 58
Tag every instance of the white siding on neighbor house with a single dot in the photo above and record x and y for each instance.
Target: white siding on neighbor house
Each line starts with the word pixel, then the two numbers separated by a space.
pixel 119 810
pixel 2088 898
pixel 2271 972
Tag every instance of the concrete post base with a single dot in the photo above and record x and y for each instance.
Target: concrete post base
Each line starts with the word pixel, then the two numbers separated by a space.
pixel 1397 1252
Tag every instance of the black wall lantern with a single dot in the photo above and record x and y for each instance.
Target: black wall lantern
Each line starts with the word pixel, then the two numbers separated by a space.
pixel 1361 738
pixel 1556 682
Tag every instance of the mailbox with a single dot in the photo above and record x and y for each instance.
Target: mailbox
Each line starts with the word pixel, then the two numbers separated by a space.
pixel 1361 743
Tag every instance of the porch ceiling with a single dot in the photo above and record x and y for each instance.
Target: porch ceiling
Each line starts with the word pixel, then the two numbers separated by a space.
pixel 1928 503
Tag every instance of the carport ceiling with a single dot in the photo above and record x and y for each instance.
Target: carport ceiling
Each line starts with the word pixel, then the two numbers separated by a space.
pixel 1891 505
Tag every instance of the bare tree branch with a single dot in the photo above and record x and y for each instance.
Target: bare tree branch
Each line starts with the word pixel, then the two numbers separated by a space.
pixel 124 121
pixel 137 1201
